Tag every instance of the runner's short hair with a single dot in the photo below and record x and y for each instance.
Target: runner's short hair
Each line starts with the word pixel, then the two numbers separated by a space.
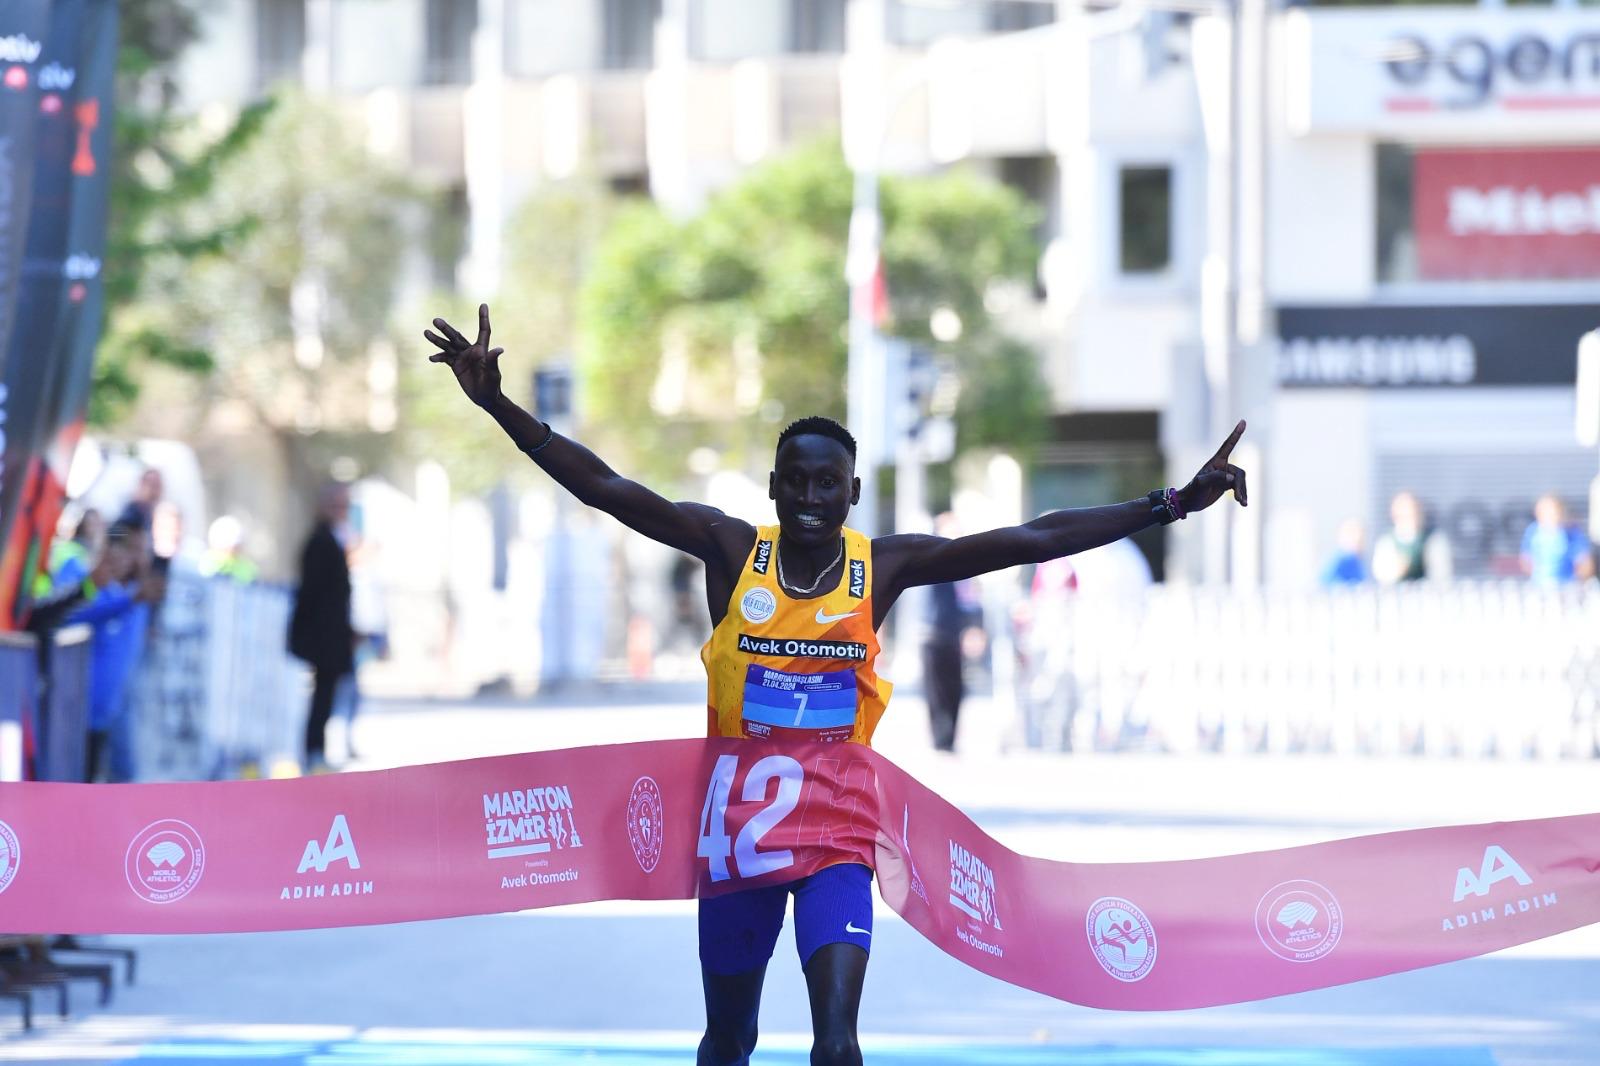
pixel 819 426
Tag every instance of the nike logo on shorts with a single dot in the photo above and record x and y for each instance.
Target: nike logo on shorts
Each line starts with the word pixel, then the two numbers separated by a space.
pixel 824 618
pixel 850 927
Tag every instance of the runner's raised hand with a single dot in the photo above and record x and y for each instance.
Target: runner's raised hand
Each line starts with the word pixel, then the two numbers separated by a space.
pixel 476 365
pixel 1216 477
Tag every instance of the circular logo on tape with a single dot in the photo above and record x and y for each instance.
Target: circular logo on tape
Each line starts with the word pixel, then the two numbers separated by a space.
pixel 645 823
pixel 10 856
pixel 758 605
pixel 1299 921
pixel 165 861
pixel 1121 937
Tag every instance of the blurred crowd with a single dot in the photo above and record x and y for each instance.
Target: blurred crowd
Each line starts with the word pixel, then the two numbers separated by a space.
pixel 127 573
pixel 114 575
pixel 110 576
pixel 1554 550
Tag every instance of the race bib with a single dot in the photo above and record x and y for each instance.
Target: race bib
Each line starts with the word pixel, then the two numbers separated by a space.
pixel 799 707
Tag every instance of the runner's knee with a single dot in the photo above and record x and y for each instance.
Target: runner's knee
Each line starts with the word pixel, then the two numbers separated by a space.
pixel 727 1043
pixel 836 1049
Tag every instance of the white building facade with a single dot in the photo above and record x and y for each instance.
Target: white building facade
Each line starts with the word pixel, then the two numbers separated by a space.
pixel 1408 197
pixel 1434 251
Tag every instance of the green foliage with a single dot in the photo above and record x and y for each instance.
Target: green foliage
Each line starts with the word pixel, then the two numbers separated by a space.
pixel 551 240
pixel 160 167
pixel 298 202
pixel 716 330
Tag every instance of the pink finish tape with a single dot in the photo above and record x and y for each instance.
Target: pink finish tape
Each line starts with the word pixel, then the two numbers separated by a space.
pixel 679 818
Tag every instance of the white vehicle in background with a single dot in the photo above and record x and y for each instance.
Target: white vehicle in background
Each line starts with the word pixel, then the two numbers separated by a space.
pixel 105 473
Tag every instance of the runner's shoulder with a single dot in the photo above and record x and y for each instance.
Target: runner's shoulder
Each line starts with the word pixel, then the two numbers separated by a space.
pixel 896 547
pixel 891 553
pixel 733 537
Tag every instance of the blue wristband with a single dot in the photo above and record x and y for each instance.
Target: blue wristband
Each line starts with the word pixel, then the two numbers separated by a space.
pixel 548 437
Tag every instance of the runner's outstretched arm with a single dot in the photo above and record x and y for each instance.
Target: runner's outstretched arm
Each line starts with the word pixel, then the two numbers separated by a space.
pixel 695 528
pixel 913 559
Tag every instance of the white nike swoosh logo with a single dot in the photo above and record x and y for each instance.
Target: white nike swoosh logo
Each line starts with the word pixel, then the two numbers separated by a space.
pixel 823 618
pixel 850 928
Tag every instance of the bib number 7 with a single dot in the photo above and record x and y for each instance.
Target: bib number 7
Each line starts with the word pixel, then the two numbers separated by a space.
pixel 750 860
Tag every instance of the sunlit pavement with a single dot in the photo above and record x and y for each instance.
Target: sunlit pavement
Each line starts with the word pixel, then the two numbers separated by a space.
pixel 296 1045
pixel 617 983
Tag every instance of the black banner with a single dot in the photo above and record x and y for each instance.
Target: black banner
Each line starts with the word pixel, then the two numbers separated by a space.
pixel 24 24
pixel 1380 346
pixel 49 349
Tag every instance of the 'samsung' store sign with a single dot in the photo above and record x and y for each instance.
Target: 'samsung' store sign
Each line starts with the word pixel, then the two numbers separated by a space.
pixel 1419 70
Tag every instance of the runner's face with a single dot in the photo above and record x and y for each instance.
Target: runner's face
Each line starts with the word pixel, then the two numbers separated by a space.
pixel 813 484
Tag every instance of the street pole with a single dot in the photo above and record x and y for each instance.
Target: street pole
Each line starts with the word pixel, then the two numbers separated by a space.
pixel 1219 72
pixel 864 376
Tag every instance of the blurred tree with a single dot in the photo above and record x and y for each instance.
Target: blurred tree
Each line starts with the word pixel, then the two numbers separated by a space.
pixel 162 164
pixel 550 241
pixel 718 329
pixel 292 321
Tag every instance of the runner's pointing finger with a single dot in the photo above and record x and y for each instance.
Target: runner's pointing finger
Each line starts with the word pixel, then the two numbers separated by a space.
pixel 1221 458
pixel 483 326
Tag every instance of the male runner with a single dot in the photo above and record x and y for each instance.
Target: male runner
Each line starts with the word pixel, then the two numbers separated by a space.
pixel 808 577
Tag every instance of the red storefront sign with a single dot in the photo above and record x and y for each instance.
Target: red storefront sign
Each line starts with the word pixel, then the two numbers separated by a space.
pixel 1507 213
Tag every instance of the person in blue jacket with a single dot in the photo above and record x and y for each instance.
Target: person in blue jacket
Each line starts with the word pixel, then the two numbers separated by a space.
pixel 118 614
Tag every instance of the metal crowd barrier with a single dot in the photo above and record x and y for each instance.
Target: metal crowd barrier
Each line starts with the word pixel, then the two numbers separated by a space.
pixel 19 686
pixel 64 708
pixel 44 716
pixel 218 694
pixel 1471 669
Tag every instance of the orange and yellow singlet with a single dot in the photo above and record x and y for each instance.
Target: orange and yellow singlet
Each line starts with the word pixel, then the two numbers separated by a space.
pixel 784 668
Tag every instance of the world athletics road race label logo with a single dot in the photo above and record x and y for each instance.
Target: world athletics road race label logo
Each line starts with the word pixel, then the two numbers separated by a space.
pixel 165 861
pixel 10 856
pixel 646 823
pixel 1299 921
pixel 1121 937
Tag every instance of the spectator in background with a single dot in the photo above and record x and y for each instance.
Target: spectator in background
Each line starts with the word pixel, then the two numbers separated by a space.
pixel 955 629
pixel 1410 551
pixel 225 552
pixel 118 614
pixel 71 558
pixel 1555 551
pixel 140 511
pixel 320 631
pixel 1348 565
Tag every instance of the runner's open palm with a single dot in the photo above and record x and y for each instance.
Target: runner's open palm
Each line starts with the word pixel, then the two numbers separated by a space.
pixel 476 365
pixel 1216 477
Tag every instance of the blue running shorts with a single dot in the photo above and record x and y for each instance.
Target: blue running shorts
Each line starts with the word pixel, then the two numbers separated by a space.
pixel 738 931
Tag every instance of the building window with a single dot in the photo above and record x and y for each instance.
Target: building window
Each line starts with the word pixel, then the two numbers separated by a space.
pixel 630 33
pixel 1144 212
pixel 448 236
pixel 1037 180
pixel 1396 245
pixel 280 40
pixel 918 23
pixel 448 36
pixel 816 25
pixel 636 183
pixel 1008 16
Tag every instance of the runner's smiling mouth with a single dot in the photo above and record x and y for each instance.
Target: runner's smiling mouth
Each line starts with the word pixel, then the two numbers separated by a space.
pixel 810 521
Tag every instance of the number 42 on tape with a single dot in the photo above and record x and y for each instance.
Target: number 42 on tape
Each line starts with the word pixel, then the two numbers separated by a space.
pixel 835 824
